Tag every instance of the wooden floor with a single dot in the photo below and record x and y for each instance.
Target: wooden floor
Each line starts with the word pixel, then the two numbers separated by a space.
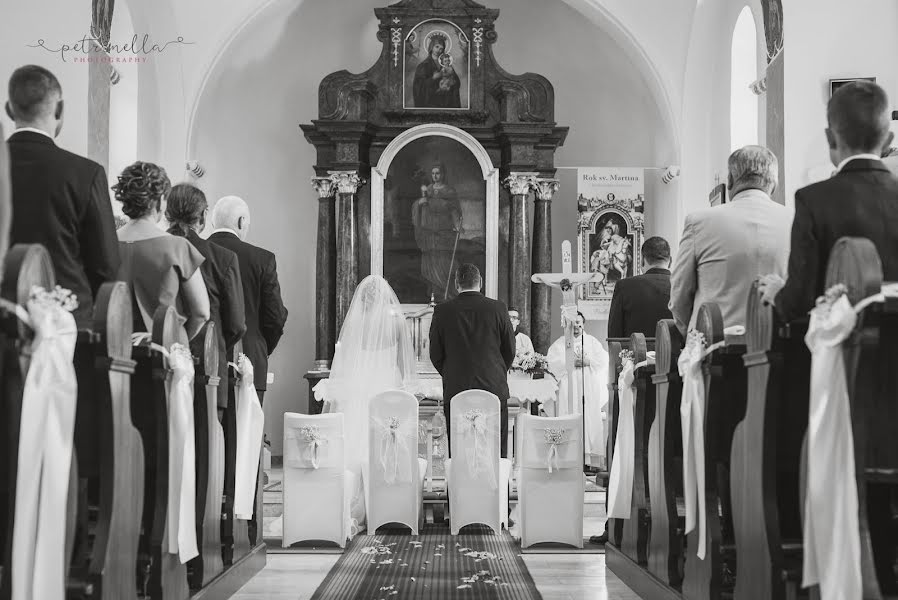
pixel 557 576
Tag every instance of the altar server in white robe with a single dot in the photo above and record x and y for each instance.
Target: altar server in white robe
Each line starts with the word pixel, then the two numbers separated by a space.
pixel 523 345
pixel 590 372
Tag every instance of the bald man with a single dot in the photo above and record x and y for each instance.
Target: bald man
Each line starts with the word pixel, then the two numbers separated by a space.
pixel 861 200
pixel 265 311
pixel 59 199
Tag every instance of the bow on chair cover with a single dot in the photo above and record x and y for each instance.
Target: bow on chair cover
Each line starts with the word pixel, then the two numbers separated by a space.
pixel 250 423
pixel 832 555
pixel 481 451
pixel 692 419
pixel 45 449
pixel 620 480
pixel 181 456
pixel 312 444
pixel 558 449
pixel 395 450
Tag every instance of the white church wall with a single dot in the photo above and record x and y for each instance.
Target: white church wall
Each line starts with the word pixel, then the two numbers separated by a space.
pixel 835 39
pixel 246 134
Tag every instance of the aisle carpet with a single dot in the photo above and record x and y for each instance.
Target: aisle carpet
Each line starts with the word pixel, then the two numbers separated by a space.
pixel 476 565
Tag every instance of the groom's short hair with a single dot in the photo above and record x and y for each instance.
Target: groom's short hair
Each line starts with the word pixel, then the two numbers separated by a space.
pixel 858 112
pixel 468 276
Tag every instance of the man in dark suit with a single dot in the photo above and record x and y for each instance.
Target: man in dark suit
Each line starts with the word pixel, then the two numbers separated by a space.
pixel 60 199
pixel 5 202
pixel 265 310
pixel 472 344
pixel 861 200
pixel 640 302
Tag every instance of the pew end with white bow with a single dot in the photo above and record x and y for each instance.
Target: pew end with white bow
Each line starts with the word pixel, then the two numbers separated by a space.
pixel 315 474
pixel 476 477
pixel 395 475
pixel 551 485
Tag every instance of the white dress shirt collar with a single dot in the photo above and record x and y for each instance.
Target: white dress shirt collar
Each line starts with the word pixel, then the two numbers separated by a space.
pixel 751 194
pixel 856 157
pixel 33 130
pixel 225 230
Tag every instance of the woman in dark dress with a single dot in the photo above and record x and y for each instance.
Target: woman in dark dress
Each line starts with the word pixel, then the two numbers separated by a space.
pixel 436 84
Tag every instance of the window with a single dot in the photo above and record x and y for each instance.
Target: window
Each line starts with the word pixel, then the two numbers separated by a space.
pixel 743 72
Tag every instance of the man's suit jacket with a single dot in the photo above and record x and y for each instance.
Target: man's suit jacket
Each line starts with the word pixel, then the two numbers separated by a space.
pixel 265 310
pixel 722 251
pixel 221 274
pixel 472 345
pixel 860 200
pixel 61 200
pixel 639 303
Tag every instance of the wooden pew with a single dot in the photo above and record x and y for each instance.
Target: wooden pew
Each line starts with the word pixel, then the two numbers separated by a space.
pixel 766 456
pixel 25 266
pixel 109 450
pixel 635 532
pixel 161 575
pixel 666 543
pixel 872 380
pixel 725 385
pixel 210 459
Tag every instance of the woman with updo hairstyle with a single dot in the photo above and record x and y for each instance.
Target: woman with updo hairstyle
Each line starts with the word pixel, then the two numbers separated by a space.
pixel 185 212
pixel 159 267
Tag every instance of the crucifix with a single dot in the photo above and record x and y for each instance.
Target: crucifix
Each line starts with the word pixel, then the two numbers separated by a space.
pixel 568 282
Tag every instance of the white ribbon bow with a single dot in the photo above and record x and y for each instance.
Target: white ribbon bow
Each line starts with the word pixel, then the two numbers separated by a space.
pixel 311 435
pixel 553 439
pixel 692 423
pixel 620 480
pixel 481 454
pixel 394 451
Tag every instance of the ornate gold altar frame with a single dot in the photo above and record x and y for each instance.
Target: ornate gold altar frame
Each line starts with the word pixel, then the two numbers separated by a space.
pixel 595 297
pixel 490 176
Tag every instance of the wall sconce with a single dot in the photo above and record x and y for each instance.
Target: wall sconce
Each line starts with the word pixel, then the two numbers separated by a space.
pixel 670 174
pixel 114 76
pixel 759 87
pixel 194 168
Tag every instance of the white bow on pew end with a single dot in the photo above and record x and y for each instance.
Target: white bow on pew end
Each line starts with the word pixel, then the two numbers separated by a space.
pixel 47 428
pixel 250 425
pixel 832 554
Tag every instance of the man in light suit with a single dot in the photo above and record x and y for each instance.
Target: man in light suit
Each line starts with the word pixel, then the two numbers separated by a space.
pixel 725 248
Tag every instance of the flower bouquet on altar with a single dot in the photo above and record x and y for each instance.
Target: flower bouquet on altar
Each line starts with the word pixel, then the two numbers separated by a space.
pixel 533 364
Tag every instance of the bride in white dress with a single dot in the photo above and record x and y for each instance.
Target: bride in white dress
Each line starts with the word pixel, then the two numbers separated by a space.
pixel 374 354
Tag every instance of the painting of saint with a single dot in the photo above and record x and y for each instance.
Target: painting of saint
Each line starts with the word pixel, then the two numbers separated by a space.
pixel 436 67
pixel 611 251
pixel 434 219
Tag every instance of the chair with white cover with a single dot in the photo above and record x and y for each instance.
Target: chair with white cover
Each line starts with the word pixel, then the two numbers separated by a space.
pixel 315 477
pixel 395 473
pixel 476 477
pixel 551 487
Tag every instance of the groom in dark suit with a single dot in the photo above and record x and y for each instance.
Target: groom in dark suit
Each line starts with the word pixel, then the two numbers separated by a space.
pixel 472 344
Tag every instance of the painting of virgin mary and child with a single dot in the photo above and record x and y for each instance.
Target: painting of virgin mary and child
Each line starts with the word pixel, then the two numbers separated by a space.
pixel 436 69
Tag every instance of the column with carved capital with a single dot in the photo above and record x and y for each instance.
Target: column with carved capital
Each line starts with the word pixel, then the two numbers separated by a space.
pixel 541 295
pixel 519 184
pixel 347 268
pixel 325 274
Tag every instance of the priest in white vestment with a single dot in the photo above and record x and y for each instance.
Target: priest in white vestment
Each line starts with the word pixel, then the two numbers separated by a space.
pixel 591 374
pixel 523 345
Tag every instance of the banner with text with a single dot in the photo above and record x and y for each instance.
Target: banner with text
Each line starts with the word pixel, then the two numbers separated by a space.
pixel 610 185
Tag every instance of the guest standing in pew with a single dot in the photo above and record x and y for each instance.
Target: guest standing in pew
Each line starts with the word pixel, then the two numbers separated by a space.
pixel 160 268
pixel 5 202
pixel 640 302
pixel 60 199
pixel 861 200
pixel 185 212
pixel 725 248
pixel 472 345
pixel 266 314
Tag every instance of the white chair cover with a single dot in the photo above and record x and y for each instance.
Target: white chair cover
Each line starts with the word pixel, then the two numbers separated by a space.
pixel 250 424
pixel 45 450
pixel 620 480
pixel 551 489
pixel 692 423
pixel 317 486
pixel 476 477
pixel 832 553
pixel 394 476
pixel 181 521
